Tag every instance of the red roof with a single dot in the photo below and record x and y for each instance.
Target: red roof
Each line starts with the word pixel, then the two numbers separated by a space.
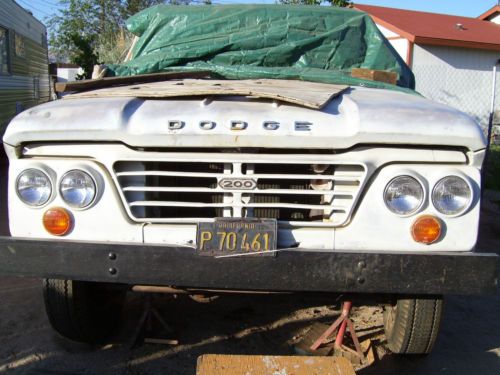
pixel 490 12
pixel 436 29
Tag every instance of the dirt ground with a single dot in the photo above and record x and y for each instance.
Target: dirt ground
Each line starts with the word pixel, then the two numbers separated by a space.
pixel 469 341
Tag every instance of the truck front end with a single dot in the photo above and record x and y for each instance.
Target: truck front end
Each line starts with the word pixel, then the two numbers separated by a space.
pixel 376 192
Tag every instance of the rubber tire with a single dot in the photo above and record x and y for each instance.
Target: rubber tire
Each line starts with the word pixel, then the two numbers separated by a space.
pixel 412 325
pixel 81 311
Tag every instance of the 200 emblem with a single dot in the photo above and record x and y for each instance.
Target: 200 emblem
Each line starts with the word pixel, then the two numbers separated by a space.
pixel 238 183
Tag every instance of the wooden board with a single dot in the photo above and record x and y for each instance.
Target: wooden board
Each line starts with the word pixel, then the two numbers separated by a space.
pixel 92 84
pixel 307 94
pixel 375 75
pixel 218 364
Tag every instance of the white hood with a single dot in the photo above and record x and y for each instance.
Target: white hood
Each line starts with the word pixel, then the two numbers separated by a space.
pixel 360 116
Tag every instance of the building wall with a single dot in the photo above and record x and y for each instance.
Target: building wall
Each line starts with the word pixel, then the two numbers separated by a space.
pixel 399 43
pixel 495 18
pixel 67 74
pixel 459 77
pixel 386 32
pixel 27 83
pixel 401 47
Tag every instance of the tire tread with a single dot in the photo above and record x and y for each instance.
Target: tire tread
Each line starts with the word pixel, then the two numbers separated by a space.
pixel 74 312
pixel 415 327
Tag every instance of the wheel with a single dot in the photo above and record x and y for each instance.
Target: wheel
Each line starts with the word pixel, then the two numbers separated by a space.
pixel 412 325
pixel 81 311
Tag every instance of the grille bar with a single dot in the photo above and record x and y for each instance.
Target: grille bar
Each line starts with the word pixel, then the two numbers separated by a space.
pixel 211 175
pixel 221 205
pixel 297 193
pixel 220 190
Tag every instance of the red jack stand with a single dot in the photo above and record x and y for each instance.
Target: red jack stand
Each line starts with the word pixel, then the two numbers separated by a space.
pixel 145 325
pixel 344 322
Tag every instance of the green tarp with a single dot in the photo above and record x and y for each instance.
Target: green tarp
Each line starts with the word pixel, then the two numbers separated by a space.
pixel 311 43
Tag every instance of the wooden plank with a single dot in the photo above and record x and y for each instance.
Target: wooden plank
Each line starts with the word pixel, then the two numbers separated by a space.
pixel 307 94
pixel 92 84
pixel 129 53
pixel 375 75
pixel 219 364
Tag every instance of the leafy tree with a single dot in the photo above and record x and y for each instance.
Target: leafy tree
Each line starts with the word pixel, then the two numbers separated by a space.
pixel 92 20
pixel 131 7
pixel 341 3
pixel 84 54
pixel 83 31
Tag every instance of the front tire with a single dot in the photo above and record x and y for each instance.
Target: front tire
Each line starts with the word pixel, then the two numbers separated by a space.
pixel 81 311
pixel 412 325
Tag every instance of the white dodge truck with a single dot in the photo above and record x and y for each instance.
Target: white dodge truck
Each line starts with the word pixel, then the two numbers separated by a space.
pixel 376 193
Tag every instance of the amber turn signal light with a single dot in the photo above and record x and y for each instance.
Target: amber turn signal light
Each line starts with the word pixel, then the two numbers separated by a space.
pixel 57 221
pixel 426 229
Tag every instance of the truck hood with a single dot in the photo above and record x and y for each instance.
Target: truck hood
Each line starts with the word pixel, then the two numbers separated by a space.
pixel 359 116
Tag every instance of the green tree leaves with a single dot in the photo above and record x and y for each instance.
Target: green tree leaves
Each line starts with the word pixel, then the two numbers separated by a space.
pixel 86 32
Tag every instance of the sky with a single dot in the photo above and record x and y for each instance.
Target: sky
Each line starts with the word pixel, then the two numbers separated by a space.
pixel 468 8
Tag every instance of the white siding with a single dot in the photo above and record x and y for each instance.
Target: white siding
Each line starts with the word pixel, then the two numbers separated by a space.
pixel 400 45
pixel 495 18
pixel 459 77
pixel 386 32
pixel 13 16
pixel 66 74
pixel 27 81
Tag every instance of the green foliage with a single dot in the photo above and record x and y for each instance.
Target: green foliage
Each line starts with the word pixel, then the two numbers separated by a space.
pixel 85 31
pixel 131 7
pixel 341 3
pixel 84 55
pixel 114 47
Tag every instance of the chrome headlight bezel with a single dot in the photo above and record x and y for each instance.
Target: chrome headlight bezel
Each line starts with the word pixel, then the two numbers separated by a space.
pixel 417 207
pixel 464 207
pixel 50 185
pixel 88 202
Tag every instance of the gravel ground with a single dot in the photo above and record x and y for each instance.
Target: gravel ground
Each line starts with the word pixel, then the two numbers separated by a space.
pixel 469 341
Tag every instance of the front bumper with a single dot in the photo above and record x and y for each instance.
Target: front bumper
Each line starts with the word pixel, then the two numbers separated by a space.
pixel 290 270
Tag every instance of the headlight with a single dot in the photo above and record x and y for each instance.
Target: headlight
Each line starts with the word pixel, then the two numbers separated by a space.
pixel 404 195
pixel 451 195
pixel 33 187
pixel 77 189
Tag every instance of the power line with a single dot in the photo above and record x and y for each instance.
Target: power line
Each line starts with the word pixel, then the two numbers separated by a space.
pixel 44 2
pixel 49 9
pixel 31 7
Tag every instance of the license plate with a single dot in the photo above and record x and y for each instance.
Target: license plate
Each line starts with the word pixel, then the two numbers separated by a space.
pixel 237 236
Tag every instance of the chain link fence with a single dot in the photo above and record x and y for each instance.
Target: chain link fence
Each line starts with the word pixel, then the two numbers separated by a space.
pixel 460 78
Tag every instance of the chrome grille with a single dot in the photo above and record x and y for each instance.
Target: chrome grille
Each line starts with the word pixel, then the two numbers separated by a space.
pixel 293 192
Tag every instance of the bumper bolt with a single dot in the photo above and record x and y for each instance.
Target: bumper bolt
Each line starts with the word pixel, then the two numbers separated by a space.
pixel 361 264
pixel 112 256
pixel 112 271
pixel 361 280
